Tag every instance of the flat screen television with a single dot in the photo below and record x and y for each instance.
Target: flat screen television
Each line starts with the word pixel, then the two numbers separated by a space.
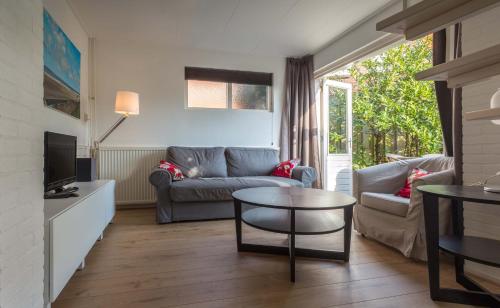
pixel 60 161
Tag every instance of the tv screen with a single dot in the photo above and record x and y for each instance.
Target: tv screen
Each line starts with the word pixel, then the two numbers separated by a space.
pixel 60 160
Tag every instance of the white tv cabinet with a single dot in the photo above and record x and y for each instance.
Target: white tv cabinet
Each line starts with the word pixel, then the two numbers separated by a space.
pixel 72 226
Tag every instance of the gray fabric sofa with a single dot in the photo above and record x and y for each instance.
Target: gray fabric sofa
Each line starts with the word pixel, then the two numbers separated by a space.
pixel 212 175
pixel 395 221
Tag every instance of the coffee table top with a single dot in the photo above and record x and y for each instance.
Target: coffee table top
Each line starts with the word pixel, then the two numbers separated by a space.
pixel 294 198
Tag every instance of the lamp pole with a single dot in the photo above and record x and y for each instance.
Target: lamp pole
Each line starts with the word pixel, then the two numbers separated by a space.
pixel 107 133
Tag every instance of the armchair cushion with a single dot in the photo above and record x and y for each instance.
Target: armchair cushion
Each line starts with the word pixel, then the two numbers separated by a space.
pixel 385 178
pixel 387 203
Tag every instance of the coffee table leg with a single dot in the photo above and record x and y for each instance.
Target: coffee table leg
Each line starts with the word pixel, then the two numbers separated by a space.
pixel 237 220
pixel 347 232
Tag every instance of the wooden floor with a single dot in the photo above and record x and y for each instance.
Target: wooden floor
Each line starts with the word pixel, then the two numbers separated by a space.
pixel 195 264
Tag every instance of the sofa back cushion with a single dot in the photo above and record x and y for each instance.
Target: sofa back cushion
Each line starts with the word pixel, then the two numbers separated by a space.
pixel 199 162
pixel 251 161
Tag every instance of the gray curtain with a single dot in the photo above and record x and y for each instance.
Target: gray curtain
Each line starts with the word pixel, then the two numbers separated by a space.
pixel 299 124
pixel 443 94
pixel 449 100
pixel 457 113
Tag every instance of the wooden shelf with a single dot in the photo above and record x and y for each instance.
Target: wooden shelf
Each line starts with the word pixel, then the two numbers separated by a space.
pixel 466 70
pixel 476 249
pixel 430 16
pixel 484 114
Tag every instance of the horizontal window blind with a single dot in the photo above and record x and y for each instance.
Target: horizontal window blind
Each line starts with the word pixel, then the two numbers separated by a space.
pixel 230 76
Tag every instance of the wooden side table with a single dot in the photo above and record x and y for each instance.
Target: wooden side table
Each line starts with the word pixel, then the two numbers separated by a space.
pixel 475 249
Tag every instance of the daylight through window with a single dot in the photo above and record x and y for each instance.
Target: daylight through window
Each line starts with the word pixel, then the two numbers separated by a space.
pixel 226 89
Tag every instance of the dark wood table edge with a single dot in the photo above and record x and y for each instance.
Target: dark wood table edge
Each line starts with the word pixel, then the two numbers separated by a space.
pixel 298 208
pixel 475 294
pixel 291 250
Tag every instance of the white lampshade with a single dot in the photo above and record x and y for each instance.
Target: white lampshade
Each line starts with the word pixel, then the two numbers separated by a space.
pixel 127 103
pixel 495 103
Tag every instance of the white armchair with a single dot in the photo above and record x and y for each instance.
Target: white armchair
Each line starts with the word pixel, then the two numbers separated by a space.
pixel 395 221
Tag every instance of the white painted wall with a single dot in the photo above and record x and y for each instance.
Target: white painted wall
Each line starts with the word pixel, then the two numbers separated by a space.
pixel 481 139
pixel 23 119
pixel 157 73
pixel 52 119
pixel 21 150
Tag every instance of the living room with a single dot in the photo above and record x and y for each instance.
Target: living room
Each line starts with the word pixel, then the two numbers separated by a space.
pixel 237 154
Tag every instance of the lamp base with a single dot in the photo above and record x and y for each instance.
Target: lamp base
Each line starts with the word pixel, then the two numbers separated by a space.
pixel 493 189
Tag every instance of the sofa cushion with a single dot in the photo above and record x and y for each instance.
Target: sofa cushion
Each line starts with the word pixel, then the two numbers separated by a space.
pixel 251 161
pixel 387 203
pixel 198 162
pixel 221 189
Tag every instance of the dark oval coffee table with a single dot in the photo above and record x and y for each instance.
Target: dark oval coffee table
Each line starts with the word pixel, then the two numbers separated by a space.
pixel 294 211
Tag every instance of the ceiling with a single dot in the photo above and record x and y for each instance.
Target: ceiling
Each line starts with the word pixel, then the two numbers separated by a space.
pixel 263 27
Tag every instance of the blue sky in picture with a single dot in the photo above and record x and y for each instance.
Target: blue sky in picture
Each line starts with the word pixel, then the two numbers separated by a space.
pixel 60 56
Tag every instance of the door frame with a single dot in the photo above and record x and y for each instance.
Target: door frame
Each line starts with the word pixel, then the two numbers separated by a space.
pixel 325 122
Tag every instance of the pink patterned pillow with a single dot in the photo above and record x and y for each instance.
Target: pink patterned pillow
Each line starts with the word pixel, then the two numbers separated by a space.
pixel 174 171
pixel 285 168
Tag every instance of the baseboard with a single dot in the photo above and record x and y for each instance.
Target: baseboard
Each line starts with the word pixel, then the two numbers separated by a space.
pixel 126 205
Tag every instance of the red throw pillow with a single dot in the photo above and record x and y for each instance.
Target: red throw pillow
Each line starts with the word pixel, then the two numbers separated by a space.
pixel 416 173
pixel 284 169
pixel 174 171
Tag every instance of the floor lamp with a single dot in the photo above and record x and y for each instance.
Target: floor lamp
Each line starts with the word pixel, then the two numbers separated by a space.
pixel 126 104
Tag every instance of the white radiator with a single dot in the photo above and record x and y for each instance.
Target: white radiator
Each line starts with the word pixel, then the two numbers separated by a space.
pixel 130 167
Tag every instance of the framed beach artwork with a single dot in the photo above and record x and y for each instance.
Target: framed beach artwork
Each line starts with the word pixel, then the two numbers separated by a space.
pixel 61 61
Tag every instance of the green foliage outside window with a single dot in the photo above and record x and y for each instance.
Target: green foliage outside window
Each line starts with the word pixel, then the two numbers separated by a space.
pixel 393 112
pixel 337 143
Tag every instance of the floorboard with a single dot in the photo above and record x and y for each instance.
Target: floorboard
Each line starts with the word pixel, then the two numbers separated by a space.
pixel 195 264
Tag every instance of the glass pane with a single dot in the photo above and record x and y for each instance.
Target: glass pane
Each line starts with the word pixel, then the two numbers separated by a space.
pixel 248 96
pixel 207 94
pixel 337 135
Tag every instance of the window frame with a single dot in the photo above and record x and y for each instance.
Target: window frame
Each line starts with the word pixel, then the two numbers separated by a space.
pixel 228 77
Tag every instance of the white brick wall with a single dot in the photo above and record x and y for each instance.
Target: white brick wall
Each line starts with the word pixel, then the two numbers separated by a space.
pixel 21 154
pixel 481 138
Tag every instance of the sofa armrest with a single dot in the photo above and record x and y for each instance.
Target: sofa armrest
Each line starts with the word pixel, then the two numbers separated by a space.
pixel 384 178
pixel 160 178
pixel 307 175
pixel 445 177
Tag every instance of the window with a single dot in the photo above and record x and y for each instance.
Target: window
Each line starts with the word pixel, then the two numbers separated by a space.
pixel 226 89
pixel 207 94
